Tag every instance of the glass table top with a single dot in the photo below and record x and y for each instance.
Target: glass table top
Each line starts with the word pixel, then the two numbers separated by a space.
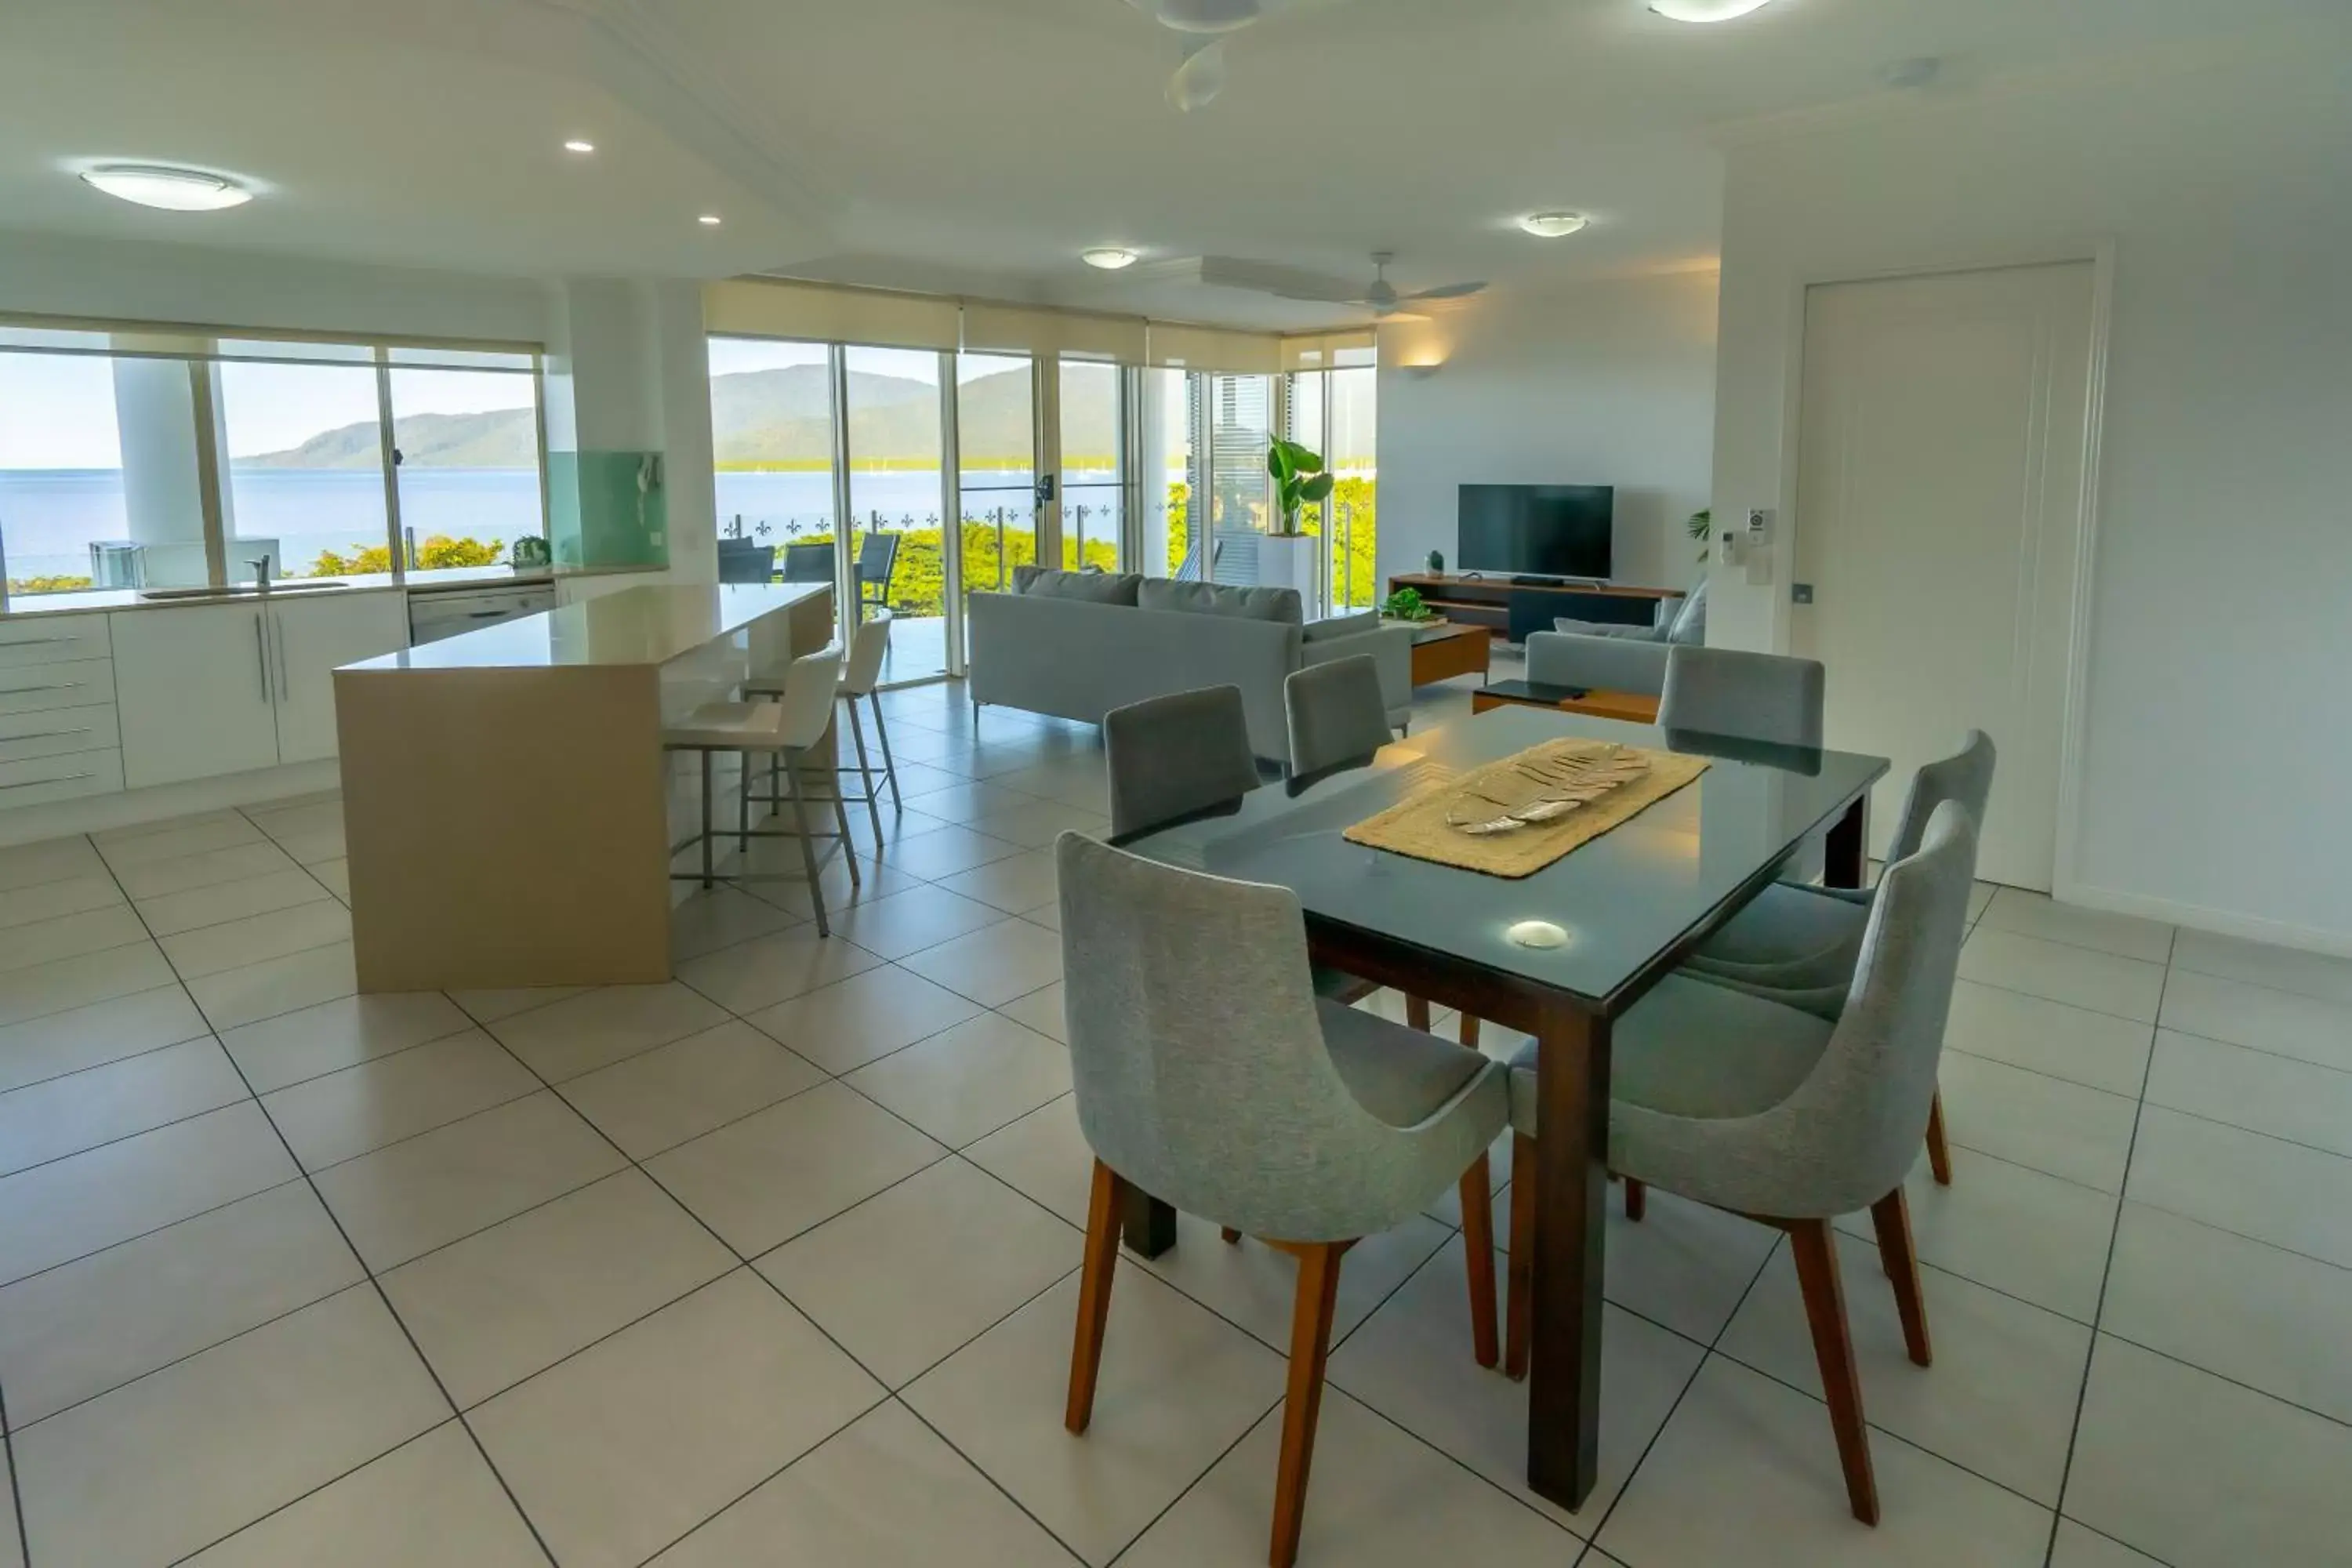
pixel 1622 899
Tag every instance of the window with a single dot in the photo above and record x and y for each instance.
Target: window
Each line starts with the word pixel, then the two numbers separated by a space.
pixel 996 467
pixel 772 435
pixel 79 512
pixel 143 456
pixel 466 449
pixel 306 464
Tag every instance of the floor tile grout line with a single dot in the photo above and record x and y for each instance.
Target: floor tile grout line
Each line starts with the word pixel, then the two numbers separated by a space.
pixel 16 1486
pixel 151 1230
pixel 2060 1002
pixel 1223 1453
pixel 2262 1134
pixel 2066 942
pixel 998 1487
pixel 2338 1004
pixel 1951 1049
pixel 2107 1276
pixel 326 896
pixel 1707 1352
pixel 313 1491
pixel 127 1137
pixel 2255 1050
pixel 2179 1360
pixel 113 1061
pixel 383 1297
pixel 747 1263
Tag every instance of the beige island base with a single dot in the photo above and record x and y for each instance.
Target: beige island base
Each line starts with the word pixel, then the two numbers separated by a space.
pixel 507 804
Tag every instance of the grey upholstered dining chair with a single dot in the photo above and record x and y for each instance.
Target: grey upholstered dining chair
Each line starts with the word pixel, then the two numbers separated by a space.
pixel 1799 944
pixel 1210 1074
pixel 1170 756
pixel 1753 696
pixel 1776 1114
pixel 1336 713
pixel 1338 719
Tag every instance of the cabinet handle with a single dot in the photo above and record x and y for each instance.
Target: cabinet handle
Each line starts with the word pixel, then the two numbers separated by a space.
pixel 36 642
pixel 483 614
pixel 61 778
pixel 53 686
pixel 261 657
pixel 44 734
pixel 278 627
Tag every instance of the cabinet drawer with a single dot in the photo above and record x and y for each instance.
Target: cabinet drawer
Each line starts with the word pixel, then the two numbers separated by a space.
pixel 73 683
pixel 57 731
pixel 43 779
pixel 53 639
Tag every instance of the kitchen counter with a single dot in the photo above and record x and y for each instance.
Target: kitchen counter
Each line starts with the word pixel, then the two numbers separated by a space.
pixel 508 802
pixel 650 624
pixel 12 606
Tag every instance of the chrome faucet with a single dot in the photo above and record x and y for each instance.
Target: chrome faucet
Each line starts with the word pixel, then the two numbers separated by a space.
pixel 260 572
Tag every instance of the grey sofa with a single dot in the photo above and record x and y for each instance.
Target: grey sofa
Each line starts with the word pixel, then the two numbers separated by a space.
pixel 1617 659
pixel 1076 645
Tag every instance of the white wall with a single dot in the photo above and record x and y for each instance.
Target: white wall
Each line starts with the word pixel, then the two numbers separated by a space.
pixel 2215 743
pixel 1597 382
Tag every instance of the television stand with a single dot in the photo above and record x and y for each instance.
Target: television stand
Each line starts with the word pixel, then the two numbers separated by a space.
pixel 1511 608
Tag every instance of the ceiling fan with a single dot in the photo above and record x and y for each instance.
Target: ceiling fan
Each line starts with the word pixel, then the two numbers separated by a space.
pixel 1380 296
pixel 1202 26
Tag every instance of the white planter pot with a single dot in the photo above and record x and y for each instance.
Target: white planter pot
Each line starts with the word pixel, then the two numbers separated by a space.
pixel 1292 562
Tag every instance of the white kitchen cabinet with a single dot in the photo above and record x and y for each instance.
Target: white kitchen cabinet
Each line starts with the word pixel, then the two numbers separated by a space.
pixel 195 693
pixel 309 637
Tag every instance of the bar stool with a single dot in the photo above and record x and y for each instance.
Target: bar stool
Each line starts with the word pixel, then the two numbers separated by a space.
pixel 860 675
pixel 789 731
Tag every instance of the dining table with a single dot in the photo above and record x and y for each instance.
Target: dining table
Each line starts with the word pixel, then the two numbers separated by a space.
pixel 1561 955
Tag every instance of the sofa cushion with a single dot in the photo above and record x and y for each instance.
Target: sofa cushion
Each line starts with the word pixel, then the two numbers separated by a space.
pixel 1688 629
pixel 1279 604
pixel 1608 629
pixel 1342 626
pixel 1094 587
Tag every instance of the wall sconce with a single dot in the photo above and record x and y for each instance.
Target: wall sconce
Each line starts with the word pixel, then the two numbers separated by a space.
pixel 1424 370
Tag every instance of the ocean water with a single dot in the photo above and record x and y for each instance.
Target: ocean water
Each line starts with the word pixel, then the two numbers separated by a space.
pixel 48 516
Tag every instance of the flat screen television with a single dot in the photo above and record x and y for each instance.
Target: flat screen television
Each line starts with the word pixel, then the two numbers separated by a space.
pixel 1549 531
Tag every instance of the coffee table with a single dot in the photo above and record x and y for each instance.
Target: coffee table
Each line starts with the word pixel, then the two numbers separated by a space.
pixel 1443 651
pixel 1633 707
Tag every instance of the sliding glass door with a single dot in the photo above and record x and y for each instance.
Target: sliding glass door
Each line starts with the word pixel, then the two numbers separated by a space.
pixel 771 425
pixel 996 467
pixel 1094 467
pixel 893 554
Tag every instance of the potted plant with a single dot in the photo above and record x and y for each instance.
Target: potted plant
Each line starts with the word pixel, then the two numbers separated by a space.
pixel 1287 557
pixel 1406 605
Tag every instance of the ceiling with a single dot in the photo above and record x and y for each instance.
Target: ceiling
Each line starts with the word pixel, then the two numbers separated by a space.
pixel 977 146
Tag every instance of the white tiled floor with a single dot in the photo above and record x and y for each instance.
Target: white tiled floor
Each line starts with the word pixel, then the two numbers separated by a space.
pixel 774 1263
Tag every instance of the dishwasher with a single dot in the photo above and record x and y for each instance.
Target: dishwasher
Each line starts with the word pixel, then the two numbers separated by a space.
pixel 437 614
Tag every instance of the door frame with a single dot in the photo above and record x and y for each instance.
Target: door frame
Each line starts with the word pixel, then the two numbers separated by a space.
pixel 2065 883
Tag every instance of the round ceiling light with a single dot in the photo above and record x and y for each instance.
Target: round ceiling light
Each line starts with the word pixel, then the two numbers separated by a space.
pixel 174 190
pixel 1705 10
pixel 1109 257
pixel 579 145
pixel 1553 226
pixel 709 220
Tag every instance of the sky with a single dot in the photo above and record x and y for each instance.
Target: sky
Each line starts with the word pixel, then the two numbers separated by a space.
pixel 57 411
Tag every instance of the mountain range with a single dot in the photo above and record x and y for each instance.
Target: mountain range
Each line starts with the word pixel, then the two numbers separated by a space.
pixel 759 418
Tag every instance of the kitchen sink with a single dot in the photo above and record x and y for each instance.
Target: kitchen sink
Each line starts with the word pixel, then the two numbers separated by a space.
pixel 240 591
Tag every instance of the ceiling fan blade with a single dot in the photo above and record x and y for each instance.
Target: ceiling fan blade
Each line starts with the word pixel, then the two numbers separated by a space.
pixel 1448 291
pixel 1285 282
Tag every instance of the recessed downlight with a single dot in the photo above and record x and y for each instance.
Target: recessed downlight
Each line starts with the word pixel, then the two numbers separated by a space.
pixel 1705 10
pixel 174 190
pixel 1109 257
pixel 709 220
pixel 579 145
pixel 1553 224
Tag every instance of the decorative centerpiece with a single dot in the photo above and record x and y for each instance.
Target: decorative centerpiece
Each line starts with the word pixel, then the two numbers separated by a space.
pixel 1539 786
pixel 1437 563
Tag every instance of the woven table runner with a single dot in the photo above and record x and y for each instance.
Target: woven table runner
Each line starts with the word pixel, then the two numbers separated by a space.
pixel 1418 826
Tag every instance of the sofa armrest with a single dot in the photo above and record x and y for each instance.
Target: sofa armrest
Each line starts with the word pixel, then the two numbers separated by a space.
pixel 1598 663
pixel 1391 647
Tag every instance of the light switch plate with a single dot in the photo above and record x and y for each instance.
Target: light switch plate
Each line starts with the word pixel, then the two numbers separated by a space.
pixel 1800 593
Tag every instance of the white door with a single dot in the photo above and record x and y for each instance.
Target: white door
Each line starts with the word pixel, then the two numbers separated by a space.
pixel 193 692
pixel 311 636
pixel 1939 489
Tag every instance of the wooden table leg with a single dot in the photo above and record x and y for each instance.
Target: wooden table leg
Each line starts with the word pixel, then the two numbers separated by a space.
pixel 1571 1184
pixel 1849 847
pixel 1148 1225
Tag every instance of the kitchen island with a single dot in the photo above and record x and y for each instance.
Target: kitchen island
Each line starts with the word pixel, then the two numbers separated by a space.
pixel 509 806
